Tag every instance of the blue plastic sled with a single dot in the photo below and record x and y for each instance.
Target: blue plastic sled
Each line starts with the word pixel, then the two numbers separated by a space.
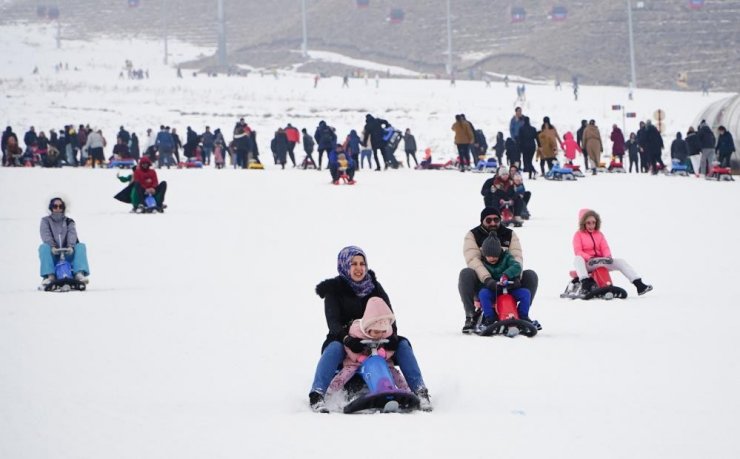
pixel 487 165
pixel 64 280
pixel 383 394
pixel 122 163
pixel 560 173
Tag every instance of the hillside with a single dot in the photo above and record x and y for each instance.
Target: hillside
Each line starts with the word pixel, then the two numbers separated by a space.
pixel 670 38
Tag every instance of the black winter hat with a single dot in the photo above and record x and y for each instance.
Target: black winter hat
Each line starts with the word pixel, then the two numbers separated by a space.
pixel 489 211
pixel 491 246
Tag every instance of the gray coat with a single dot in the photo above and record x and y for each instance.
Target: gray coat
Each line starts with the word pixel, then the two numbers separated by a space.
pixel 54 228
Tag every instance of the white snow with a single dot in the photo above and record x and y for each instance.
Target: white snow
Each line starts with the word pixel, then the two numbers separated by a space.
pixel 200 331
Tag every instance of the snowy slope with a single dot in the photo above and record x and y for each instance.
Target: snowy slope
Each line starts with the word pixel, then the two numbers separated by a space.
pixel 200 331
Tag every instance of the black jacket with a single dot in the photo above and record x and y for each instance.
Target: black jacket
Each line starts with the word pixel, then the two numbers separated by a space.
pixel 342 305
pixel 679 150
pixel 725 144
pixel 706 137
pixel 374 128
pixel 692 141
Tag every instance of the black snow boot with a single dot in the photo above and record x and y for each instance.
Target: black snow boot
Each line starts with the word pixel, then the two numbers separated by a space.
pixel 587 285
pixel 316 399
pixel 641 288
pixel 471 322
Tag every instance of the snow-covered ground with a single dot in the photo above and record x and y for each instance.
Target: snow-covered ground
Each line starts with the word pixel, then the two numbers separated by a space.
pixel 200 330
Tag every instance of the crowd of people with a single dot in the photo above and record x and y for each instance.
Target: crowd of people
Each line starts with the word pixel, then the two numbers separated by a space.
pixel 698 149
pixel 355 304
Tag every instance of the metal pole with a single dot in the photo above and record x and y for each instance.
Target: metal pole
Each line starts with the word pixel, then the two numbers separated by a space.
pixel 164 19
pixel 633 82
pixel 304 45
pixel 221 35
pixel 449 40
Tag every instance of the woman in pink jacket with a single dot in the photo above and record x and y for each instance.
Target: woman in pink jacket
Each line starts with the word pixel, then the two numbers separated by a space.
pixel 592 251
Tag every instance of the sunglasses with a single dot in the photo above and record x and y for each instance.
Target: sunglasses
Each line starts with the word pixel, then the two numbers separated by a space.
pixel 490 220
pixel 57 206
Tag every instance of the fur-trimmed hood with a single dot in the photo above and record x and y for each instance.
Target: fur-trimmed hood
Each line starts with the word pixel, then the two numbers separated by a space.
pixel 339 285
pixel 583 214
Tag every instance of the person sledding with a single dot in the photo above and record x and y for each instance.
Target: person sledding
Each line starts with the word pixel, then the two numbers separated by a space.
pixel 504 272
pixel 341 166
pixel 346 297
pixel 128 195
pixel 147 184
pixel 592 251
pixel 376 324
pixel 59 238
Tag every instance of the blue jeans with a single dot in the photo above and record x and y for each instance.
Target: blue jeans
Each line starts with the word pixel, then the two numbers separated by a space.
pixel 487 297
pixel 409 367
pixel 78 260
pixel 333 356
pixel 327 367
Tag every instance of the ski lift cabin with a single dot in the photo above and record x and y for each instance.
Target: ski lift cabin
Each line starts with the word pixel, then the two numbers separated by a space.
pixel 396 16
pixel 696 4
pixel 53 12
pixel 362 3
pixel 518 14
pixel 559 13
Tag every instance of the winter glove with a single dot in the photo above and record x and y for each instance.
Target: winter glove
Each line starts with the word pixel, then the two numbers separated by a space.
pixel 392 343
pixel 354 344
pixel 491 284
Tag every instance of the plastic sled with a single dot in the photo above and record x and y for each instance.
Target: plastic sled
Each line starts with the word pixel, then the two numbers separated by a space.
pixel 64 281
pixel 509 320
pixel 507 215
pixel 679 169
pixel 720 174
pixel 486 165
pixel 559 173
pixel 604 288
pixel 382 393
pixel 190 164
pixel 616 167
pixel 576 169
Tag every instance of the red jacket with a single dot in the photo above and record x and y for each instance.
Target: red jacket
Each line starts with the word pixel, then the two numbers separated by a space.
pixel 146 178
pixel 590 245
pixel 293 135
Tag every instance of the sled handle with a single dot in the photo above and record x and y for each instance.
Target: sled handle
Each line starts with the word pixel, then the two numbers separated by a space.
pixel 374 344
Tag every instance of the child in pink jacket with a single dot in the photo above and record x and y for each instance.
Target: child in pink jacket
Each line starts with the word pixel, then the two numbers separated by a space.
pixel 592 251
pixel 570 146
pixel 376 324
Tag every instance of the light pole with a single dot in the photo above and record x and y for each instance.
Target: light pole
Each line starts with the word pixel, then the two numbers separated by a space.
pixel 304 45
pixel 449 40
pixel 633 78
pixel 164 19
pixel 221 35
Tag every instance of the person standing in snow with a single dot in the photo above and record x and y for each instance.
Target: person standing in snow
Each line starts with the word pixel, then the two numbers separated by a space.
pixel 374 130
pixel 326 138
pixel 409 146
pixel 346 297
pixel 308 144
